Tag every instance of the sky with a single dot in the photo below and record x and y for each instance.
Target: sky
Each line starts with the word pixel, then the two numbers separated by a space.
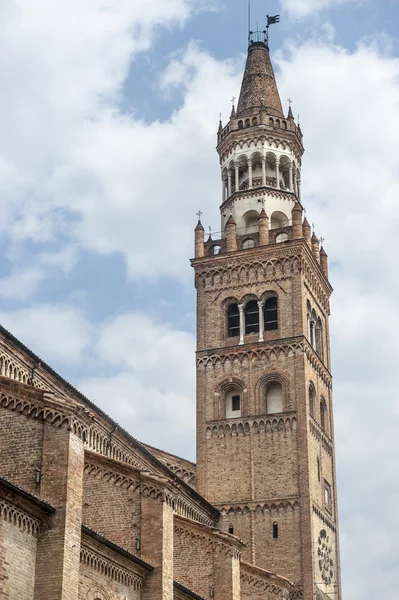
pixel 108 119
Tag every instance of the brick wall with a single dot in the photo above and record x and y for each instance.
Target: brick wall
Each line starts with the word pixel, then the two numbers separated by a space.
pixel 93 585
pixel 112 510
pixel 17 562
pixel 21 443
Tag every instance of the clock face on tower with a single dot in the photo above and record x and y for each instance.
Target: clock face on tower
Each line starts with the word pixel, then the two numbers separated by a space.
pixel 326 562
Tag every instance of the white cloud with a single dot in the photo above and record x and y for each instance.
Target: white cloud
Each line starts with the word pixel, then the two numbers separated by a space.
pixel 303 8
pixel 57 333
pixel 152 394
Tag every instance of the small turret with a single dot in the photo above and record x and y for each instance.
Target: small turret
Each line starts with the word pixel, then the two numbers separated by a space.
pixel 324 262
pixel 231 234
pixel 199 241
pixel 297 231
pixel 307 232
pixel 220 124
pixel 316 247
pixel 263 228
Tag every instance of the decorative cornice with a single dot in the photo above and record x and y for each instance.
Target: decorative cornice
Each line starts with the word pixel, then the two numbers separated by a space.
pixel 210 539
pixel 107 567
pixel 263 581
pixel 13 515
pixel 257 191
pixel 271 507
pixel 327 522
pixel 320 436
pixel 149 487
pixel 260 425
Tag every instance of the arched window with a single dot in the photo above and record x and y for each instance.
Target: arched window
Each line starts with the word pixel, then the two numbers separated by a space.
pixel 283 237
pixel 318 469
pixel 215 250
pixel 312 399
pixel 275 530
pixel 249 243
pixel 254 121
pixel 278 219
pixel 277 122
pixel 274 398
pixel 233 403
pixel 240 124
pixel 319 338
pixel 231 529
pixel 252 317
pixel 323 414
pixel 270 310
pixel 233 320
pixel 247 123
pixel 271 122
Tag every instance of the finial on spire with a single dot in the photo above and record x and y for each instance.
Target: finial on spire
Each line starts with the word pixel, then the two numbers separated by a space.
pixel 199 215
pixel 290 113
pixel 322 240
pixel 233 108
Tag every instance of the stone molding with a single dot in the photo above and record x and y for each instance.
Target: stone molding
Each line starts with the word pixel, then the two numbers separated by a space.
pixel 149 487
pixel 25 523
pixel 242 427
pixel 108 568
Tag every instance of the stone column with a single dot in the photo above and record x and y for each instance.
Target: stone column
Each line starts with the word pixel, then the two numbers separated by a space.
pixel 58 549
pixel 263 228
pixel 229 174
pixel 261 321
pixel 250 174
pixel 324 262
pixel 241 310
pixel 278 171
pixel 263 170
pixel 237 176
pixel 231 234
pixel 297 232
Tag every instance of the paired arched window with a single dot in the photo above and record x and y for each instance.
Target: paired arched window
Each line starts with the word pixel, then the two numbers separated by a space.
pixel 323 414
pixel 233 320
pixel 312 400
pixel 274 398
pixel 271 313
pixel 251 317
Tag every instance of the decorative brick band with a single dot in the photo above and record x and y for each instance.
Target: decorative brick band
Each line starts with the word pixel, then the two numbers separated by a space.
pixel 327 522
pixel 320 436
pixel 208 540
pixel 20 519
pixel 296 594
pixel 179 504
pixel 271 508
pixel 269 426
pixel 262 585
pixel 106 567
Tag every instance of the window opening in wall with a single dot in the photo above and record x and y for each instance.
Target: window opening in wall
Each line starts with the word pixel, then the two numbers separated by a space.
pixel 319 338
pixel 312 395
pixel 215 250
pixel 252 317
pixel 248 244
pixel 327 495
pixel 233 321
pixel 323 414
pixel 275 530
pixel 231 529
pixel 282 237
pixel 235 403
pixel 271 314
pixel 318 469
pixel 274 398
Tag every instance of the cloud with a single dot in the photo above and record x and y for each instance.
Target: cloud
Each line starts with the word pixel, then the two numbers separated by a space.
pixel 57 333
pixel 303 8
pixel 151 391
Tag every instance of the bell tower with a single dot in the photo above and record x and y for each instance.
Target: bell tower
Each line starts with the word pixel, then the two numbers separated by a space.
pixel 265 437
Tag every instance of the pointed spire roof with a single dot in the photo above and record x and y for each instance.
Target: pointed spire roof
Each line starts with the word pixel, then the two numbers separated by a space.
pixel 230 220
pixel 259 87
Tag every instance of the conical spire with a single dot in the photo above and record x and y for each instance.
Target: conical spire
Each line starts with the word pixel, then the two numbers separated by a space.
pixel 259 88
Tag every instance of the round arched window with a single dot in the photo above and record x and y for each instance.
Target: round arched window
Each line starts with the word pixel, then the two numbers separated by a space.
pixel 215 250
pixel 249 243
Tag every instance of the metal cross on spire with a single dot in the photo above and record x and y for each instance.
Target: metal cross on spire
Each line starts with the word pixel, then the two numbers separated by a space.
pixel 289 102
pixel 199 215
pixel 322 240
pixel 233 100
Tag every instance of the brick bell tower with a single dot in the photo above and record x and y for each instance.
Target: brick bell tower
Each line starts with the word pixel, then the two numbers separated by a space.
pixel 265 437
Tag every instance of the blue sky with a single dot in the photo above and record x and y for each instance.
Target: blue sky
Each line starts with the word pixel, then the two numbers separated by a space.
pixel 108 118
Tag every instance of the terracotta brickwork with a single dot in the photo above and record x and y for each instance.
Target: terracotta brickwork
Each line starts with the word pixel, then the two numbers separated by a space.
pixel 17 560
